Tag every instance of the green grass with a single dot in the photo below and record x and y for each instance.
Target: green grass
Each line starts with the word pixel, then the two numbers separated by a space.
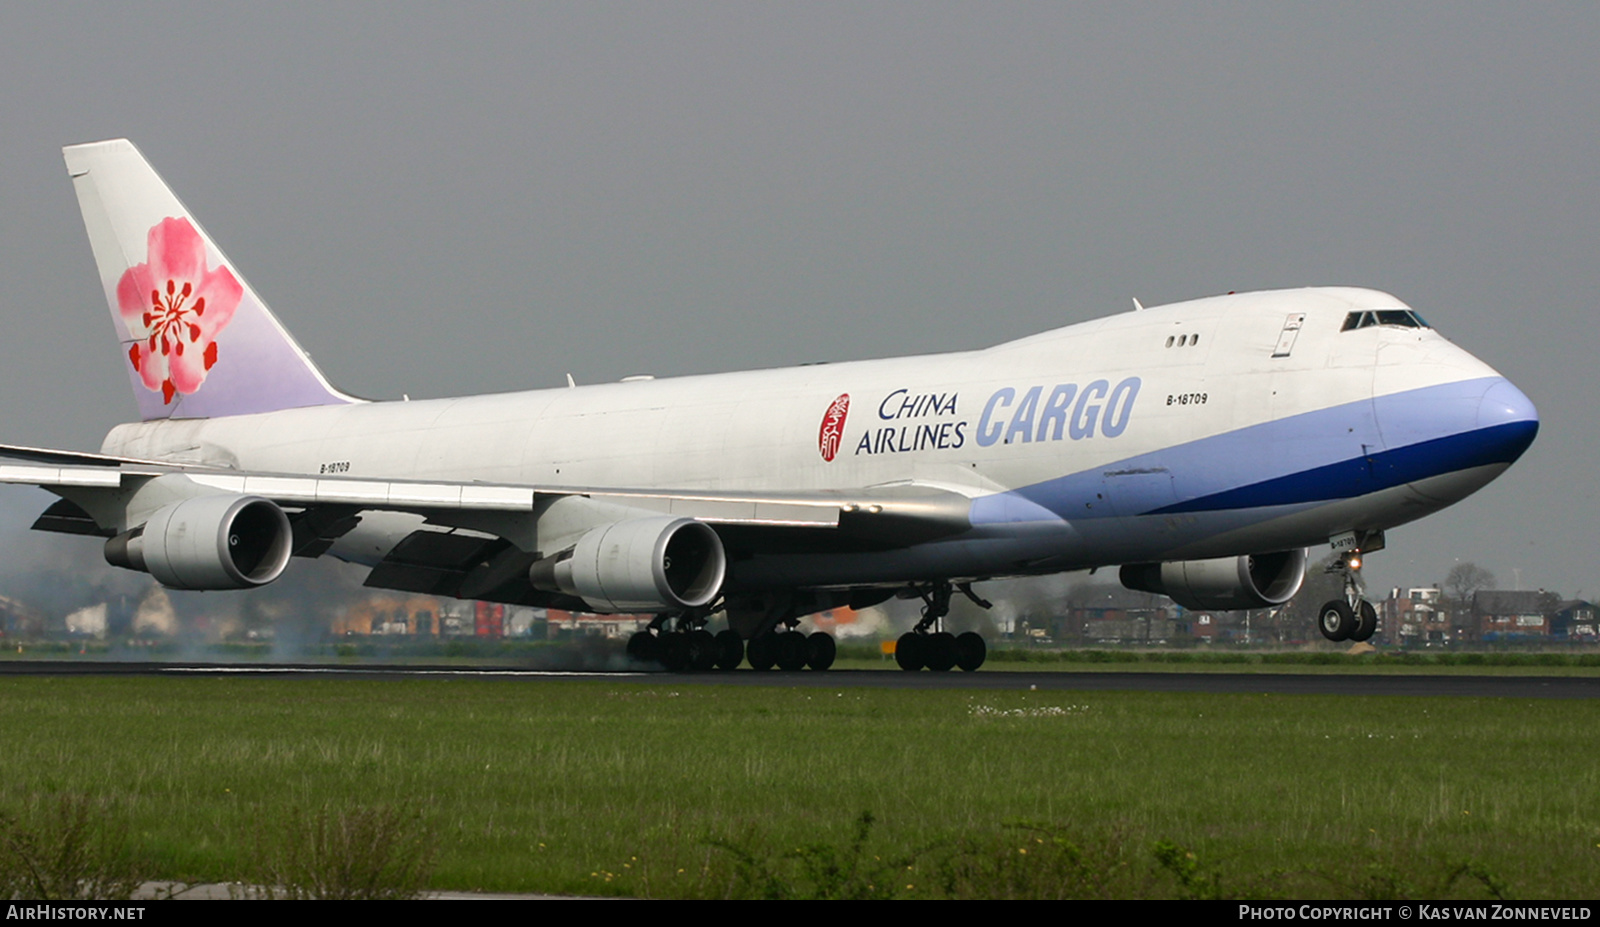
pixel 666 788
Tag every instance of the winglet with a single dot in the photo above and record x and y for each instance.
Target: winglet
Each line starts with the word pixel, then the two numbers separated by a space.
pixel 197 340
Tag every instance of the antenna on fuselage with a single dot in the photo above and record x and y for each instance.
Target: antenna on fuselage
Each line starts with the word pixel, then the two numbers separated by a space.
pixel 1137 306
pixel 570 382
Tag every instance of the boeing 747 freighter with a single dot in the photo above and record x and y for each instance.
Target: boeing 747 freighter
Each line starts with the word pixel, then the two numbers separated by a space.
pixel 1202 447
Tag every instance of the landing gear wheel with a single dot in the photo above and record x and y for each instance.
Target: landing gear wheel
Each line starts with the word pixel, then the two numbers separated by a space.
pixel 909 652
pixel 792 651
pixel 1336 620
pixel 675 651
pixel 820 651
pixel 702 651
pixel 762 652
pixel 730 649
pixel 1366 622
pixel 940 652
pixel 970 651
pixel 644 648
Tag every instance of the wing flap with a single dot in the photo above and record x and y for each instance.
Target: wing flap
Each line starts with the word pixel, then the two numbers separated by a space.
pixel 431 562
pixel 34 475
pixel 66 517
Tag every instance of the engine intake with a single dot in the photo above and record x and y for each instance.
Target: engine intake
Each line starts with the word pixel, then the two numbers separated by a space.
pixel 1227 583
pixel 208 542
pixel 644 564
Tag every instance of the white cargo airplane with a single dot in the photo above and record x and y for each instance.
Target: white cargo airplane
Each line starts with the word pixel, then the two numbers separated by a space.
pixel 1201 446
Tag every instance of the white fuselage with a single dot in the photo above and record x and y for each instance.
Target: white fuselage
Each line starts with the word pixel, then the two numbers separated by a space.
pixel 1084 446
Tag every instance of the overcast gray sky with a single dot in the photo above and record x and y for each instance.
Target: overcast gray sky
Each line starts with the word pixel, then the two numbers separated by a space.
pixel 447 199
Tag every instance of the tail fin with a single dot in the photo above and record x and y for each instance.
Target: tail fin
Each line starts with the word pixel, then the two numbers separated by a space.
pixel 198 341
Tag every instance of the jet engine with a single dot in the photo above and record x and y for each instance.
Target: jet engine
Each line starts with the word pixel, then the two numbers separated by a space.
pixel 1251 581
pixel 644 564
pixel 208 542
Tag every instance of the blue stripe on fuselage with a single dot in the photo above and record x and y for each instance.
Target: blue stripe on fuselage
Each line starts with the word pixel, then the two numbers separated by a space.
pixel 1439 429
pixel 1359 476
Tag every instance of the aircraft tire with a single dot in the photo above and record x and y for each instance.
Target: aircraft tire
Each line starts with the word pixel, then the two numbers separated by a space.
pixel 792 651
pixel 908 651
pixel 675 652
pixel 644 648
pixel 762 651
pixel 941 652
pixel 730 649
pixel 1336 620
pixel 820 651
pixel 1366 622
pixel 702 651
pixel 971 651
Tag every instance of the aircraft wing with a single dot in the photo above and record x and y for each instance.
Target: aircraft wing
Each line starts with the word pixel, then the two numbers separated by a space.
pixel 466 526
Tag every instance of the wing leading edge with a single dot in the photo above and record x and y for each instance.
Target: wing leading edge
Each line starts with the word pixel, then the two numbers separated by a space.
pixel 474 539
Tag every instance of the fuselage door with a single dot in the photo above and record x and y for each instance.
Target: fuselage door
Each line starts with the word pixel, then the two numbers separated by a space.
pixel 1291 331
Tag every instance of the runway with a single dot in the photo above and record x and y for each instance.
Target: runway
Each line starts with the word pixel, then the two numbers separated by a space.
pixel 1443 686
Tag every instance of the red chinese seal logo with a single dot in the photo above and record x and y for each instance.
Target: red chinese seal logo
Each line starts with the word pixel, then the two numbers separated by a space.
pixel 832 431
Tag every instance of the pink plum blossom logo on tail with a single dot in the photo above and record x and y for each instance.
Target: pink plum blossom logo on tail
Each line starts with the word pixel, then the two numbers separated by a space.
pixel 175 306
pixel 832 431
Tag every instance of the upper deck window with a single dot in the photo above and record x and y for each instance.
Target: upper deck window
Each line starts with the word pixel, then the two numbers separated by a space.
pixel 1400 318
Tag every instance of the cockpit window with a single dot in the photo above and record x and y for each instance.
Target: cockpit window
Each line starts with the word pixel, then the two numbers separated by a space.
pixel 1400 318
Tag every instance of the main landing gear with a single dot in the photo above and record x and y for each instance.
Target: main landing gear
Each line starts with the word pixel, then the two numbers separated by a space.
pixel 1352 618
pixel 940 650
pixel 791 650
pixel 681 643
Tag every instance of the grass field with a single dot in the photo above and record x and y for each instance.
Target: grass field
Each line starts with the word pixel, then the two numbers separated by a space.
pixel 663 788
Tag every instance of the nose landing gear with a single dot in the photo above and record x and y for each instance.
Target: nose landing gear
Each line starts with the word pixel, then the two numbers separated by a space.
pixel 1352 618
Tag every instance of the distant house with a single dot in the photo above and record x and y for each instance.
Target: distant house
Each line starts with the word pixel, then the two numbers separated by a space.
pixel 1509 615
pixel 18 619
pixel 1416 618
pixel 1202 626
pixel 386 613
pixel 1114 624
pixel 563 625
pixel 1576 620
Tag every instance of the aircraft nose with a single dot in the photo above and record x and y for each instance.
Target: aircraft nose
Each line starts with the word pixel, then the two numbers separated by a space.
pixel 1507 420
pixel 1472 429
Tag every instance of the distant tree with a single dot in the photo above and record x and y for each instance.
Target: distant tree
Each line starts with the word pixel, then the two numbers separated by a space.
pixel 1465 580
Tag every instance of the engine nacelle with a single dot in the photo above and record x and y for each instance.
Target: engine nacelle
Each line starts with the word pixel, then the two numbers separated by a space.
pixel 208 542
pixel 1227 583
pixel 644 564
